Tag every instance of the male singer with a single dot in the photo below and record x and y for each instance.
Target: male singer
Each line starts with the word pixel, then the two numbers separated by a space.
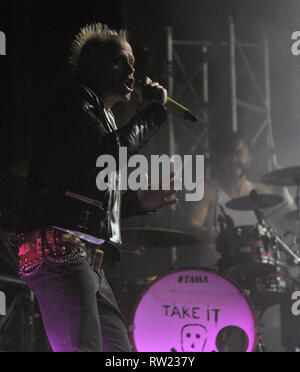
pixel 70 231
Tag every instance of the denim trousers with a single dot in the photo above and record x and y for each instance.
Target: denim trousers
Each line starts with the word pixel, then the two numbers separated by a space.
pixel 78 308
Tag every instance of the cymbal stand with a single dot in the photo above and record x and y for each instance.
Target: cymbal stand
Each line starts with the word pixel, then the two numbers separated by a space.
pixel 263 225
pixel 260 347
pixel 278 239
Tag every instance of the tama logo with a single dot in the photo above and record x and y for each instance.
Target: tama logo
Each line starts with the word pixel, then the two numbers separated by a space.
pixel 192 279
pixel 2 44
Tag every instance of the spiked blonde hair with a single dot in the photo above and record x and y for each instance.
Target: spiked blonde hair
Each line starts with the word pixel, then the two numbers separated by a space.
pixel 94 32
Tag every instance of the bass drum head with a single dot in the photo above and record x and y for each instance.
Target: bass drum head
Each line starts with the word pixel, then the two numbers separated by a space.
pixel 194 311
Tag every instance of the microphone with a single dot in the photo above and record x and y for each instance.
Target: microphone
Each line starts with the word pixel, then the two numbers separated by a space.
pixel 176 108
pixel 180 110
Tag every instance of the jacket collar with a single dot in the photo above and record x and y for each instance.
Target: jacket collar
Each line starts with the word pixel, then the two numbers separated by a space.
pixel 98 102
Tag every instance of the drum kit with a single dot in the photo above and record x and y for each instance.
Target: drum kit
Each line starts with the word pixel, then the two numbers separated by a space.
pixel 200 309
pixel 205 310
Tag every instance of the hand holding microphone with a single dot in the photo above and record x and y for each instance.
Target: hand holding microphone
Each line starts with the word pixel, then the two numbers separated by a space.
pixel 151 91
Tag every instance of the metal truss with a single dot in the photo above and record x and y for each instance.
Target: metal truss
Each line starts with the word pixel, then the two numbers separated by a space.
pixel 244 63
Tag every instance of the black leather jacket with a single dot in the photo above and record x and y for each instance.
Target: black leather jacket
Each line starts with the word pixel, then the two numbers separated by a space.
pixel 62 187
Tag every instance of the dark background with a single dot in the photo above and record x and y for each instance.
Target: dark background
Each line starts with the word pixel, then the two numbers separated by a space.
pixel 38 39
pixel 39 34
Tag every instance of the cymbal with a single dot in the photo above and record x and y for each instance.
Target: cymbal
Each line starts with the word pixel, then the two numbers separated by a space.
pixel 262 201
pixel 158 237
pixel 293 216
pixel 283 177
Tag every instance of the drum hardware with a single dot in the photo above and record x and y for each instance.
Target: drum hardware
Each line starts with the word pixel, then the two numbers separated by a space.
pixel 261 347
pixel 251 254
pixel 285 246
pixel 271 286
pixel 295 247
pixel 259 311
pixel 277 238
pixel 258 203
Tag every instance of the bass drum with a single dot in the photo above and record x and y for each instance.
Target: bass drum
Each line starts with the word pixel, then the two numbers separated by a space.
pixel 195 310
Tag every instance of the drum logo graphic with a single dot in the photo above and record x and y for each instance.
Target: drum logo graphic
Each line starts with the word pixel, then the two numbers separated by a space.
pixel 193 279
pixel 193 338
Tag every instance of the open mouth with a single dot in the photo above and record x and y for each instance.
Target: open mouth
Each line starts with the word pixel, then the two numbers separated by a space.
pixel 129 85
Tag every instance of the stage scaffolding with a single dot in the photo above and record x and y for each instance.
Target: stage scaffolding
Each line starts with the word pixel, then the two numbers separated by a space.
pixel 235 48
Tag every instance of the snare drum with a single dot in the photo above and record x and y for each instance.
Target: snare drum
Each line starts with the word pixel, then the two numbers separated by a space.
pixel 195 310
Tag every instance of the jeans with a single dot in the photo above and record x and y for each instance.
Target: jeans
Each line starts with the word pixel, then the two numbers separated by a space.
pixel 78 308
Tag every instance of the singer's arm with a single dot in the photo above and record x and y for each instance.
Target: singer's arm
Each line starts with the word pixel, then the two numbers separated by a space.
pixel 200 212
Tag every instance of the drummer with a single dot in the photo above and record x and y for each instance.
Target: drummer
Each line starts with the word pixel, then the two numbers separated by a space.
pixel 233 161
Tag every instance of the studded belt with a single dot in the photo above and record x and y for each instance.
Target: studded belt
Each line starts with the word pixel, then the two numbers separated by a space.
pixel 54 246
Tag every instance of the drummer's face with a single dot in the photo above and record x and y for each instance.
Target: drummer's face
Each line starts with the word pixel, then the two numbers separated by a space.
pixel 238 161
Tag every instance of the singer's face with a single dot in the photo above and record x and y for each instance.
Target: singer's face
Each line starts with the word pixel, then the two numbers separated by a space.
pixel 236 163
pixel 115 72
